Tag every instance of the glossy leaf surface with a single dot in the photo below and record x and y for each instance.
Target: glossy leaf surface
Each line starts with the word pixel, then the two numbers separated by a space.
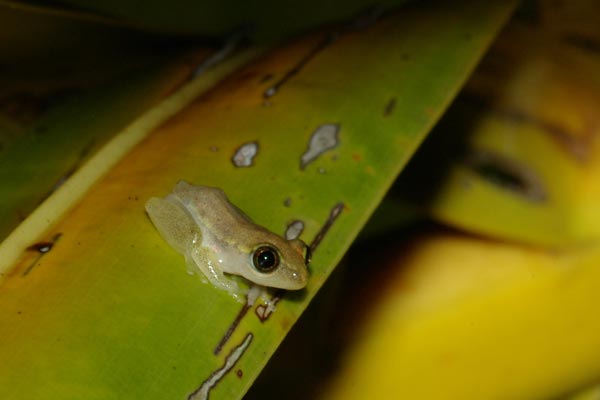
pixel 109 311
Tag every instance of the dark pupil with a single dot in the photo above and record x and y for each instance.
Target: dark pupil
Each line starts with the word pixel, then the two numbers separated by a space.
pixel 265 259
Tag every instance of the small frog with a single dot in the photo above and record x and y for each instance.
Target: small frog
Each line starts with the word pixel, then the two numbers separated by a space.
pixel 219 239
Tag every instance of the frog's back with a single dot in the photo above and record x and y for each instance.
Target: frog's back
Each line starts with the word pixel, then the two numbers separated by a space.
pixel 210 206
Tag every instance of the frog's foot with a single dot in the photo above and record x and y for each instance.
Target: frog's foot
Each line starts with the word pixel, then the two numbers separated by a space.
pixel 254 293
pixel 267 296
pixel 218 279
pixel 173 223
pixel 223 282
pixel 215 276
pixel 270 302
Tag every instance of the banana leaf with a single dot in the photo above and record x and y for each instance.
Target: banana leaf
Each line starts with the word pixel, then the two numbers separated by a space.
pixel 476 311
pixel 534 99
pixel 53 119
pixel 97 305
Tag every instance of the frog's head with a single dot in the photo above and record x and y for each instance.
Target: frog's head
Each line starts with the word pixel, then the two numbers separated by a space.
pixel 280 264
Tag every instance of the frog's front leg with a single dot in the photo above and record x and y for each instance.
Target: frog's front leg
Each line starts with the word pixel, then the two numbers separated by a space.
pixel 214 274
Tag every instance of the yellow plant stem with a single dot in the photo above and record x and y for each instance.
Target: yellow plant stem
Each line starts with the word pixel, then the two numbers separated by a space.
pixel 73 189
pixel 461 317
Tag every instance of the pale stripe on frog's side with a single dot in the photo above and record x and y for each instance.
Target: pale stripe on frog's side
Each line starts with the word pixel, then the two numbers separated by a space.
pixel 218 239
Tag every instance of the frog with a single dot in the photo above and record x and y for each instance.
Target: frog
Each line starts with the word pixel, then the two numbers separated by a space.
pixel 221 241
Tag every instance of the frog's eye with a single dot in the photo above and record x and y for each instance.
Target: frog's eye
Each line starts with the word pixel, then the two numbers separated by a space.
pixel 265 259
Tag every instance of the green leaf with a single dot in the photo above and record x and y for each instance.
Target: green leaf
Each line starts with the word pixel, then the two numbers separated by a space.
pixel 109 311
pixel 262 20
pixel 521 109
pixel 56 112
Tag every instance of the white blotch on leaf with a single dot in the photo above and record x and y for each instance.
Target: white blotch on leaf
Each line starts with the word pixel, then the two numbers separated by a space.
pixel 294 230
pixel 324 138
pixel 244 155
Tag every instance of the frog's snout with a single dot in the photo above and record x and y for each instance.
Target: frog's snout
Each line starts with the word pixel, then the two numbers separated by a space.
pixel 303 249
pixel 297 279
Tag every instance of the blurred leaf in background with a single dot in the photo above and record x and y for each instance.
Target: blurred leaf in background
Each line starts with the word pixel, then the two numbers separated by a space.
pixel 506 307
pixel 522 138
pixel 63 97
pixel 262 20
